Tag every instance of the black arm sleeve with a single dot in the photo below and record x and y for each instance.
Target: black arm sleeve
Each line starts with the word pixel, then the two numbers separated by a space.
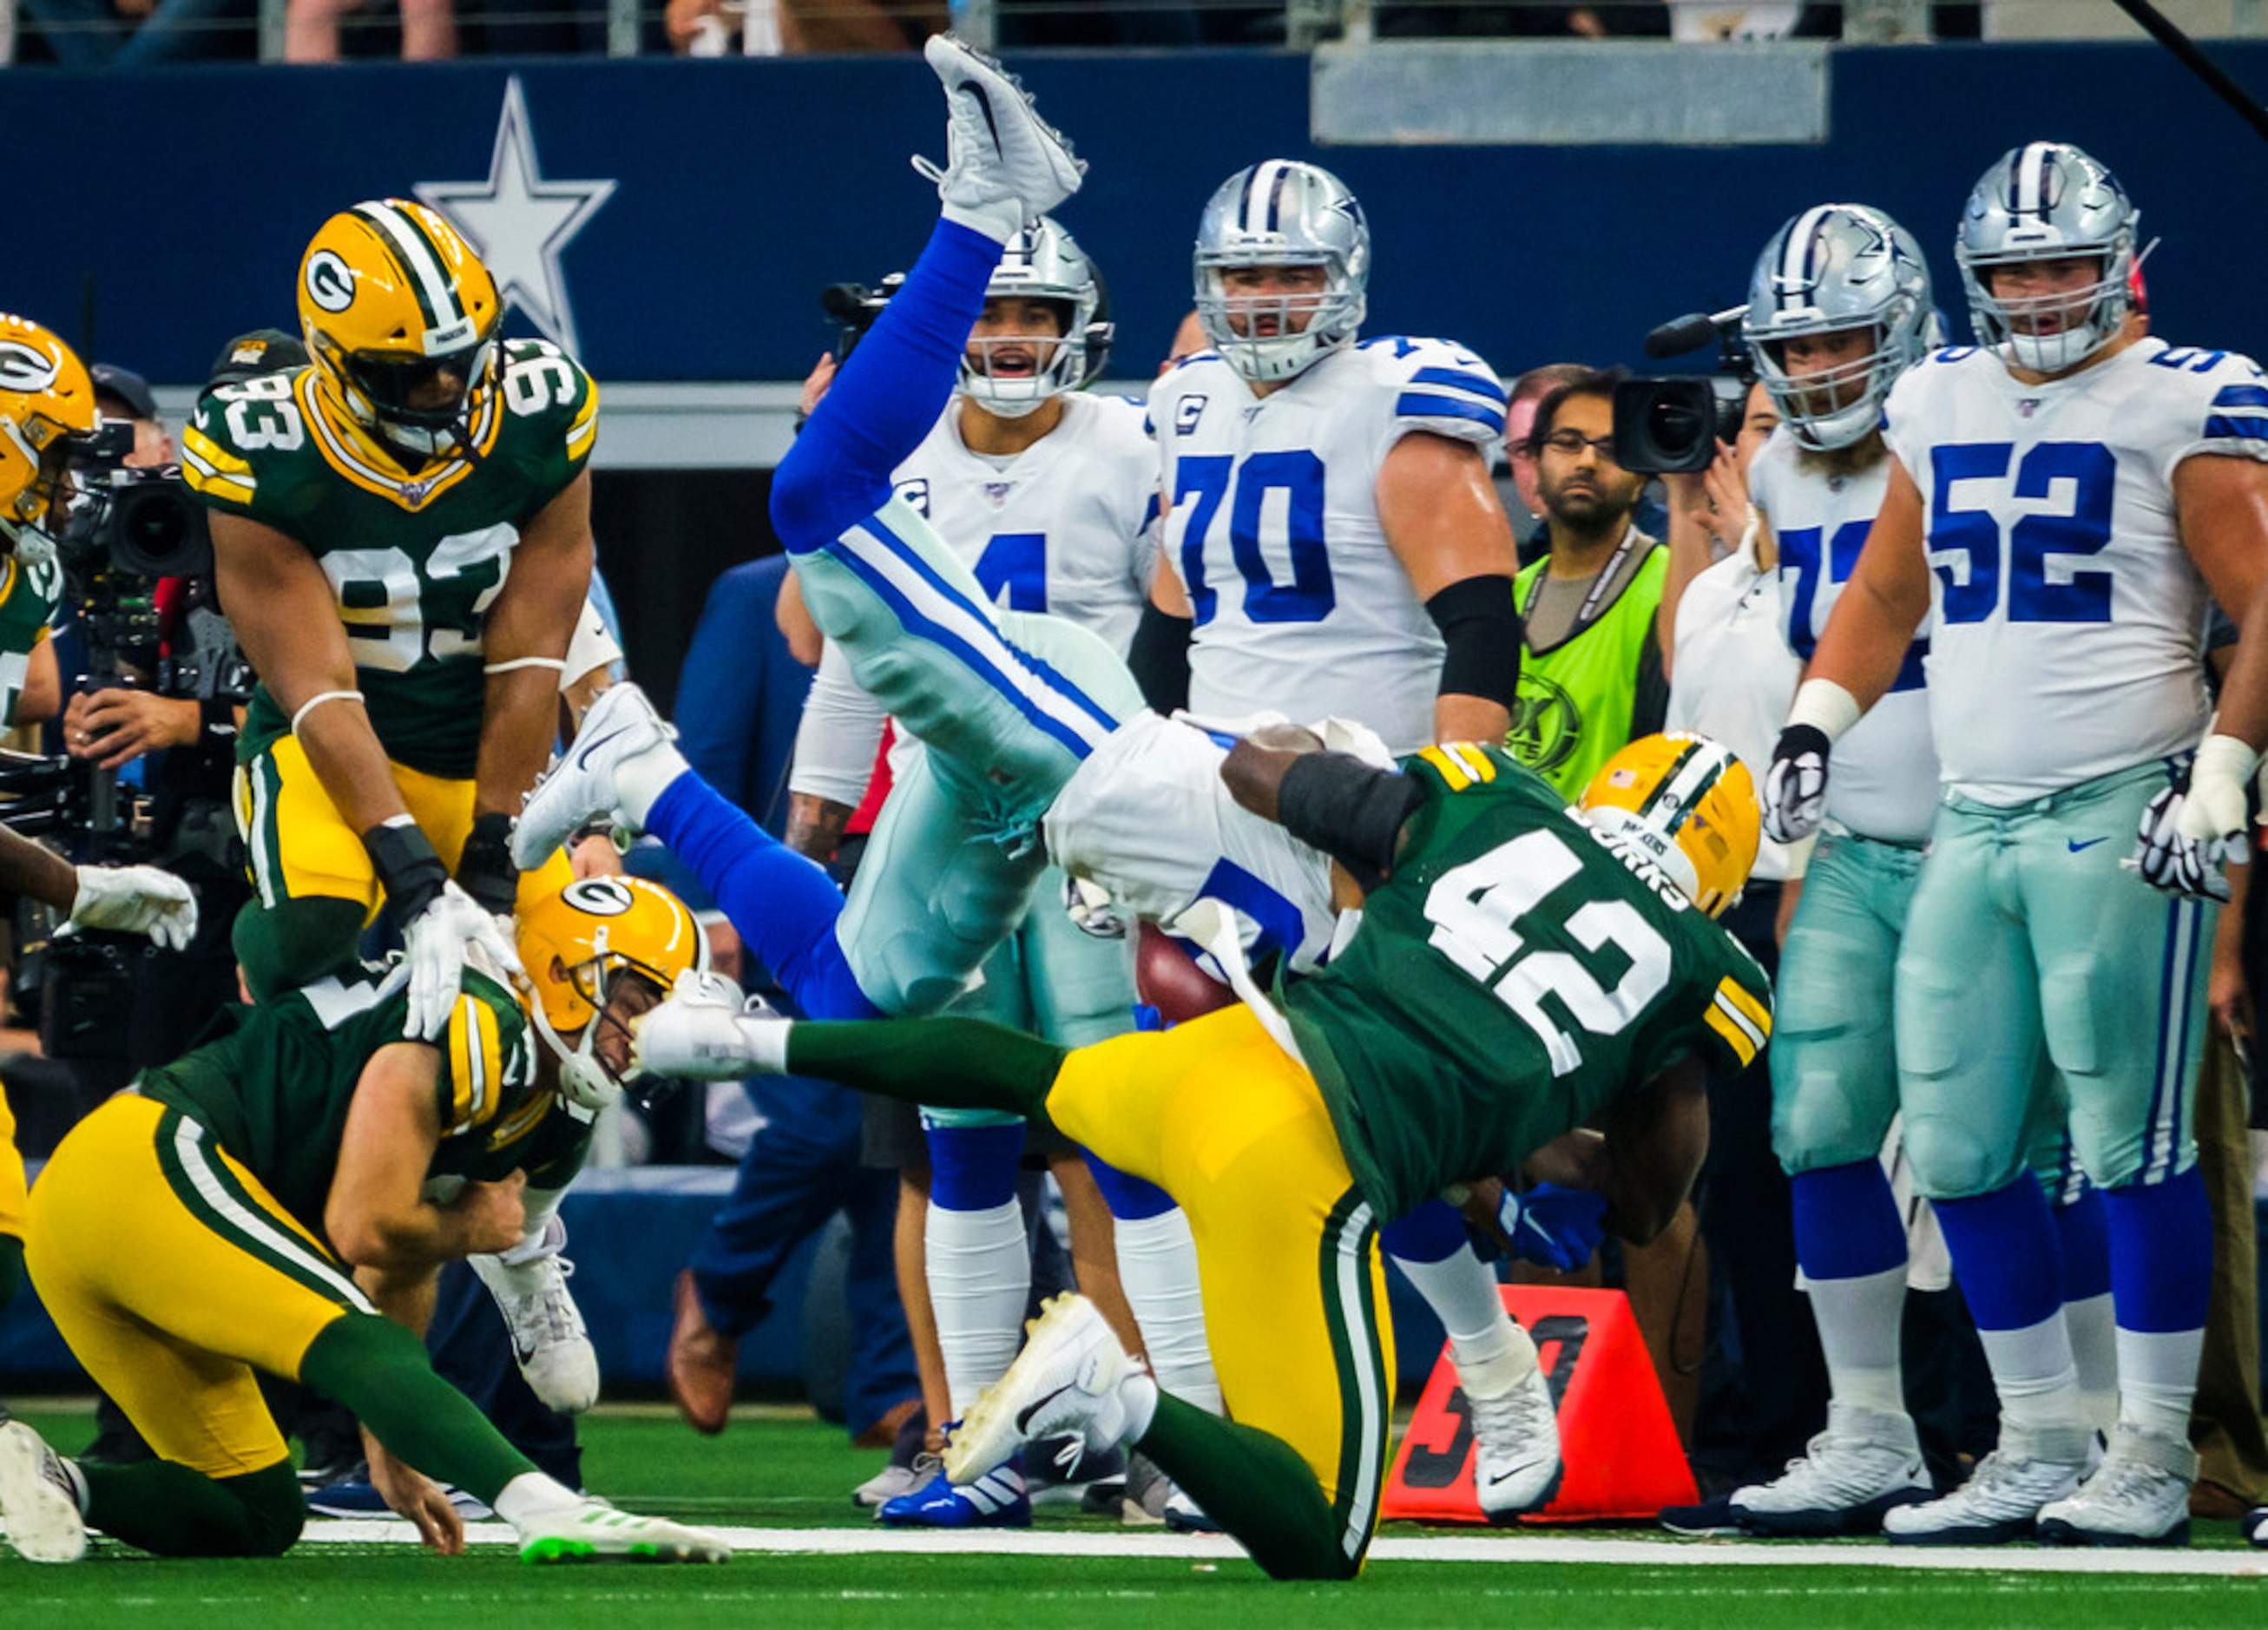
pixel 1479 621
pixel 1160 659
pixel 1352 811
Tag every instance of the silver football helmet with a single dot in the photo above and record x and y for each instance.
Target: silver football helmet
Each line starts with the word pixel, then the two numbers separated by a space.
pixel 1836 267
pixel 1282 212
pixel 1042 262
pixel 2048 200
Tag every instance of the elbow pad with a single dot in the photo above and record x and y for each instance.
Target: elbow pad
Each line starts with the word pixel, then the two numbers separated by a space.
pixel 1160 659
pixel 1479 620
pixel 1351 811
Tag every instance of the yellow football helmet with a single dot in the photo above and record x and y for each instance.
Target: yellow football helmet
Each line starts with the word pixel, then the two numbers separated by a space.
pixel 47 403
pixel 1691 804
pixel 576 945
pixel 402 320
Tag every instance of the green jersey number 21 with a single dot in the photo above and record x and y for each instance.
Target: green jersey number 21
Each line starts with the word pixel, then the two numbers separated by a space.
pixel 1475 908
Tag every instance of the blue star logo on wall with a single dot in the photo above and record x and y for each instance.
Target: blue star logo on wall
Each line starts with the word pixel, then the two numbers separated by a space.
pixel 519 222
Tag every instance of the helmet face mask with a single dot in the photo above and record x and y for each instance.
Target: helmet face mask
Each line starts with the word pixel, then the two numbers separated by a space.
pixel 1837 269
pixel 1686 804
pixel 2042 203
pixel 598 953
pixel 1280 215
pixel 1042 262
pixel 402 320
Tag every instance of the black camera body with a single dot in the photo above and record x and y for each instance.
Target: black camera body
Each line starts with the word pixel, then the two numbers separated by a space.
pixel 853 308
pixel 1672 426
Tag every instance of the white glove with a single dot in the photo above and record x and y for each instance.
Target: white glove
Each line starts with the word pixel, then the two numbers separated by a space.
pixel 2168 860
pixel 434 946
pixel 1089 908
pixel 2215 809
pixel 1795 786
pixel 135 899
pixel 706 1031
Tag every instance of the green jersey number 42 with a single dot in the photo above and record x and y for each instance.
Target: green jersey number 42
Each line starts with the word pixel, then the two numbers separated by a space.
pixel 1475 910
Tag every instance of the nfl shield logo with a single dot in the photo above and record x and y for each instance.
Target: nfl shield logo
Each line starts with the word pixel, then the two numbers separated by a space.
pixel 997 491
pixel 2028 407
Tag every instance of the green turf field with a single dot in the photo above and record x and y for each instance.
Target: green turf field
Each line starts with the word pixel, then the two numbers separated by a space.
pixel 784 1471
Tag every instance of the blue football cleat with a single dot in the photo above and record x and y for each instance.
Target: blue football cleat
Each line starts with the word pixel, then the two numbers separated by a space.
pixel 996 1500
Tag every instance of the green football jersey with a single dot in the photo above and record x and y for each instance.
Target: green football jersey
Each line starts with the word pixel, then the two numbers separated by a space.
pixel 1516 973
pixel 28 598
pixel 274 1090
pixel 415 561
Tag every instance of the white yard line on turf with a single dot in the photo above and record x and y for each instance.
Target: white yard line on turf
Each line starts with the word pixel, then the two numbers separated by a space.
pixel 1442 1548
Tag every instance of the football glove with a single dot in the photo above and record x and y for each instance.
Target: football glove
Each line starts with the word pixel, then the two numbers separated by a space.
pixel 1795 786
pixel 2219 793
pixel 1552 1227
pixel 435 944
pixel 135 899
pixel 707 1031
pixel 2169 860
pixel 1088 906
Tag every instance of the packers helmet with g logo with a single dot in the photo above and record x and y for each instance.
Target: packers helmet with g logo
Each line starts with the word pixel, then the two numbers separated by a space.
pixel 1690 805
pixel 577 944
pixel 401 320
pixel 47 404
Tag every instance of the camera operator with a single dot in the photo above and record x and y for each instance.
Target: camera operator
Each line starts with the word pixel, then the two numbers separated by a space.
pixel 172 706
pixel 1591 676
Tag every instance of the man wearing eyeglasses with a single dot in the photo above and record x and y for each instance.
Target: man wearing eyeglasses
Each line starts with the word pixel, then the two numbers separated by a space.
pixel 1590 674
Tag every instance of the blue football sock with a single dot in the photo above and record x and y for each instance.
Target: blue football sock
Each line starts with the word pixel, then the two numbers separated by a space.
pixel 1846 1221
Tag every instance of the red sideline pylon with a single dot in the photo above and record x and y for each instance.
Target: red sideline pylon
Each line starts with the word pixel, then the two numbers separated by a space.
pixel 1622 1453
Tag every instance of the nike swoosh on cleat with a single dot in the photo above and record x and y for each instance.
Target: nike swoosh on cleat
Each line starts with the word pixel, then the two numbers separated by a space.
pixel 2075 846
pixel 1024 1415
pixel 984 102
pixel 583 755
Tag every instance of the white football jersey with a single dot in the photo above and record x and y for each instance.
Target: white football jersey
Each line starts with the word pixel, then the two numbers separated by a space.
pixel 1068 526
pixel 2066 619
pixel 1273 527
pixel 1884 782
pixel 1148 818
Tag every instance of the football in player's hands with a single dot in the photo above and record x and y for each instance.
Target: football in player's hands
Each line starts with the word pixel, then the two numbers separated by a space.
pixel 1795 786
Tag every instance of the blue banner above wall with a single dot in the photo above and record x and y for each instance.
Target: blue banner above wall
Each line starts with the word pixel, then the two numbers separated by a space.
pixel 677 219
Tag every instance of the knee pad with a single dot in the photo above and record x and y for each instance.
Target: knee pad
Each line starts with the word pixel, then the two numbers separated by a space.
pixel 1951 1162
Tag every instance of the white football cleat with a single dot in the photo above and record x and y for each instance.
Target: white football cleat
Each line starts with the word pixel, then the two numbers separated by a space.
pixel 548 1340
pixel 2003 1497
pixel 618 764
pixel 2139 1496
pixel 592 1530
pixel 705 1030
pixel 997 147
pixel 1863 1463
pixel 1516 1463
pixel 1067 1380
pixel 37 1501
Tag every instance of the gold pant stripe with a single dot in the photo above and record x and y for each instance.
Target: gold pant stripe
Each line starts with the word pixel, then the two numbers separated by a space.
pixel 169 1311
pixel 1215 1113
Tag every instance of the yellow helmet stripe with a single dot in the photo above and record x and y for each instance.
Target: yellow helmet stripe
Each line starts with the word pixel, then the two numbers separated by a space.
pixel 420 261
pixel 1698 765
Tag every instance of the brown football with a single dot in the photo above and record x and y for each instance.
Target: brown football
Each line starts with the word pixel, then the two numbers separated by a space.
pixel 1169 979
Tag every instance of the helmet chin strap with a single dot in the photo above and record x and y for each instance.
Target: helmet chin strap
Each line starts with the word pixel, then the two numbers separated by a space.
pixel 584 1080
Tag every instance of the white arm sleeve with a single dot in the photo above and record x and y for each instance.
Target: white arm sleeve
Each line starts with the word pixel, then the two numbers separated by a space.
pixel 841 732
pixel 591 647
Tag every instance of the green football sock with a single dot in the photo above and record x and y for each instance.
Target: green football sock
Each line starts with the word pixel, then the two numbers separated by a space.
pixel 11 1267
pixel 379 1371
pixel 1254 1485
pixel 951 1064
pixel 297 942
pixel 164 1508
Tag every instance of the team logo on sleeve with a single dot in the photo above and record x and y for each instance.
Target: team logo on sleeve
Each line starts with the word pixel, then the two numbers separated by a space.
pixel 330 283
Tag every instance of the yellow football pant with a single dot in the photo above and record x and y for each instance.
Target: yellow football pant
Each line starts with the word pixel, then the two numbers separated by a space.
pixel 11 1175
pixel 1216 1114
pixel 173 1274
pixel 297 845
